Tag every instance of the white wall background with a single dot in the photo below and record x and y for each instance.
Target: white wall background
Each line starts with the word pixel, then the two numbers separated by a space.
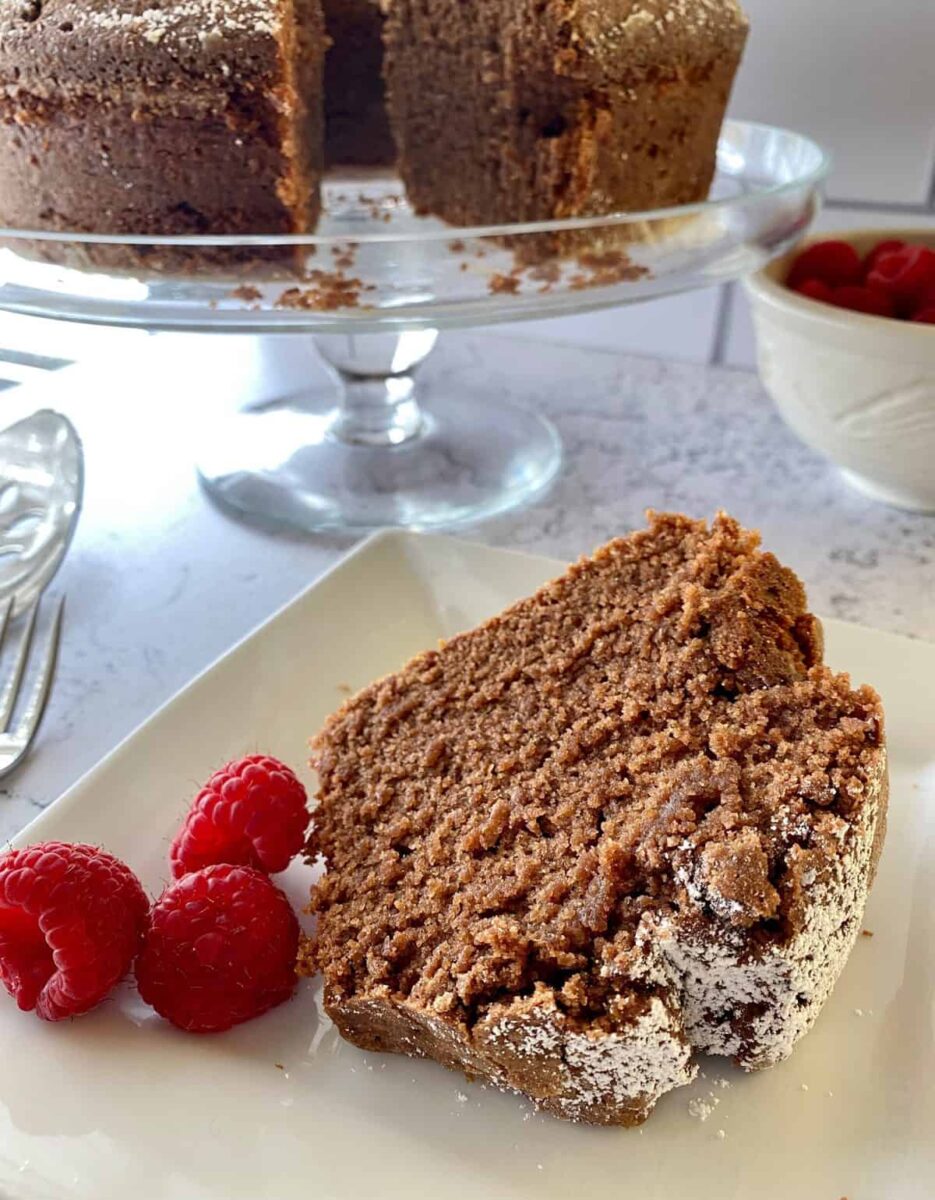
pixel 858 75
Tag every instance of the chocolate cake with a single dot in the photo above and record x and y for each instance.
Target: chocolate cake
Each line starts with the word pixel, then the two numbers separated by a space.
pixel 185 116
pixel 215 116
pixel 632 818
pixel 524 110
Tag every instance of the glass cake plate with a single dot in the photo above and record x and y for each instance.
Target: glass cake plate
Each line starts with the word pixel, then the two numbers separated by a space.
pixel 374 286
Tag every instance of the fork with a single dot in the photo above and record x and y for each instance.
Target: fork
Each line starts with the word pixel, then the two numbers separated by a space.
pixel 15 743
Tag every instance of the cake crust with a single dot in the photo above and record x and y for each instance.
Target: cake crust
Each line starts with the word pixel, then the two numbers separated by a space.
pixel 175 117
pixel 193 116
pixel 558 109
pixel 631 818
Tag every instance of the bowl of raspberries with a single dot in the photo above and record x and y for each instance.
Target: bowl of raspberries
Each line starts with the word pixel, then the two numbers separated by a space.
pixel 845 329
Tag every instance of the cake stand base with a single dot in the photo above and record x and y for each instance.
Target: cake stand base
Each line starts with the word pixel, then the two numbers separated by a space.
pixel 390 453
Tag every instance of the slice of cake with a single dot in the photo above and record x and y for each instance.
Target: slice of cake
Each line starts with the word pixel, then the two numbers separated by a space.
pixel 524 110
pixel 183 116
pixel 631 818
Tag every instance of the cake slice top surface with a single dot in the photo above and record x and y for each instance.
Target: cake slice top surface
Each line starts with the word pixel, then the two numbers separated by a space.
pixel 651 732
pixel 91 46
pixel 662 29
pixel 628 41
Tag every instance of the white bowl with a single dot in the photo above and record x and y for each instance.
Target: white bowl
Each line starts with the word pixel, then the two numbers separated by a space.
pixel 858 389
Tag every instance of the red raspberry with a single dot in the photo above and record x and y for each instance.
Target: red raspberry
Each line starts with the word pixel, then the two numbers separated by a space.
pixel 925 316
pixel 905 274
pixel 815 289
pixel 253 813
pixel 927 299
pixel 220 948
pixel 834 263
pixel 881 248
pixel 864 300
pixel 71 917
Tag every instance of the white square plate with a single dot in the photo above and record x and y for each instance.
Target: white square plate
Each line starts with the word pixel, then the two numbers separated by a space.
pixel 119 1104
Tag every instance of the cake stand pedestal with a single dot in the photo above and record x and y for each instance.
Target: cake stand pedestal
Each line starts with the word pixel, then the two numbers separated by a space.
pixel 378 453
pixel 374 286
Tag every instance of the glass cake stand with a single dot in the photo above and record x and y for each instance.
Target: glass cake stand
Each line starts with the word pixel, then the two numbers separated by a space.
pixel 374 286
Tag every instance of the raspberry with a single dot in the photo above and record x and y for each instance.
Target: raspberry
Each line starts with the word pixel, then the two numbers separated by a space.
pixel 864 300
pixel 815 290
pixel 881 248
pixel 927 298
pixel 834 263
pixel 925 316
pixel 220 948
pixel 905 274
pixel 252 813
pixel 71 918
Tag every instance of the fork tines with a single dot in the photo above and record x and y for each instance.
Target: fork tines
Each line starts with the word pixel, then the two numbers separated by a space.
pixel 15 742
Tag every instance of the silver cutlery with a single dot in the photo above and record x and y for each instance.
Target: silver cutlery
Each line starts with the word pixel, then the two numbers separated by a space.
pixel 15 740
pixel 41 489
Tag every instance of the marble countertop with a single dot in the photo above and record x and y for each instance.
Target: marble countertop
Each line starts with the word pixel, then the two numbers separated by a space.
pixel 159 583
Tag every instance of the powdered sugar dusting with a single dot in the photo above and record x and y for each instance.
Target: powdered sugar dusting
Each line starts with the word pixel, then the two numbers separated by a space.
pixel 783 987
pixel 628 1070
pixel 681 26
pixel 648 1060
pixel 205 22
pixel 700 1108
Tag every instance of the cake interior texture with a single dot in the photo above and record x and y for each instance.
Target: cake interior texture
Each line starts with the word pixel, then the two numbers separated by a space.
pixel 631 818
pixel 218 116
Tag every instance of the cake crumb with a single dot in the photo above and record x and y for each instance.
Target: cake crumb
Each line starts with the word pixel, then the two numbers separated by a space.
pixel 868 933
pixel 701 1109
pixel 721 1134
pixel 279 1066
pixel 804 1087
pixel 858 1012
pixel 500 285
pixel 246 292
pixel 329 290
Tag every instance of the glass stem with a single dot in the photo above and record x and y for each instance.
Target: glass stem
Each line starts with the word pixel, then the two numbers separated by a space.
pixel 375 372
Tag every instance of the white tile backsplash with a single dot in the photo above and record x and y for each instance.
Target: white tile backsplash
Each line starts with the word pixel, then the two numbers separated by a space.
pixel 680 327
pixel 859 76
